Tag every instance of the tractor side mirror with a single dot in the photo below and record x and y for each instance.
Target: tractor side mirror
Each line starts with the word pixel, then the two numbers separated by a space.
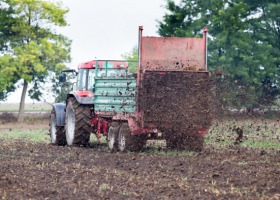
pixel 62 78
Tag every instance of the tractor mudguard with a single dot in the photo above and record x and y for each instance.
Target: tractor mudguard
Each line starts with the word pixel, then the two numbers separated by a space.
pixel 60 113
pixel 81 97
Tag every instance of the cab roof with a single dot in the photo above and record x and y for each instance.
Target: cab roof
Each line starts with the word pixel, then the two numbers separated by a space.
pixel 103 63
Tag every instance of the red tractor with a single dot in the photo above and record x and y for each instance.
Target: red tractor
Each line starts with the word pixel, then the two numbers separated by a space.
pixel 169 98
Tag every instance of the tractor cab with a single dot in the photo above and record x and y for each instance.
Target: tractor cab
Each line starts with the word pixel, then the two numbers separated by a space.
pixel 88 72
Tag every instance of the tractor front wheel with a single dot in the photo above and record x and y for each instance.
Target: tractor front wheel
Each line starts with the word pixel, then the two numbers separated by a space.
pixel 77 123
pixel 57 133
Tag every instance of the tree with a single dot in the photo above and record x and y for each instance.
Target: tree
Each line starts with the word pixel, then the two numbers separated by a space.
pixel 133 57
pixel 62 89
pixel 33 48
pixel 244 44
pixel 8 76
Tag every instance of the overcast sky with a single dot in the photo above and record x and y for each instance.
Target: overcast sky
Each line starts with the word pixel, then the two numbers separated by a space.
pixel 108 28
pixel 105 29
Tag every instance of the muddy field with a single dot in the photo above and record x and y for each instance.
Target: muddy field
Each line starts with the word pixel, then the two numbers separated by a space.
pixel 38 170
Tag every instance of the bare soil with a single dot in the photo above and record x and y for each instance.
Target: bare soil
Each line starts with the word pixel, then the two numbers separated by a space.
pixel 42 171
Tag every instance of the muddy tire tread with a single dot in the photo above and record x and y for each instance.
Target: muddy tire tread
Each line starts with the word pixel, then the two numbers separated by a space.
pixel 115 128
pixel 82 125
pixel 134 143
pixel 60 132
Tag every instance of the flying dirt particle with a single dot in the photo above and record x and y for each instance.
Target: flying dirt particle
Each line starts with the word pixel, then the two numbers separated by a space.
pixel 239 132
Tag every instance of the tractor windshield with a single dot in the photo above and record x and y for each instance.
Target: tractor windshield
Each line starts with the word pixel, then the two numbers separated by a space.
pixel 86 80
pixel 91 75
pixel 81 82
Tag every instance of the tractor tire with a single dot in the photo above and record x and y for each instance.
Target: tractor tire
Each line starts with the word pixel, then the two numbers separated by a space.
pixel 57 133
pixel 128 142
pixel 112 138
pixel 77 123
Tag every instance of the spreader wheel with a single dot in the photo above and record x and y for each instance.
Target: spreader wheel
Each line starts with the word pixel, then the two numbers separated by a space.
pixel 77 123
pixel 112 138
pixel 128 142
pixel 57 133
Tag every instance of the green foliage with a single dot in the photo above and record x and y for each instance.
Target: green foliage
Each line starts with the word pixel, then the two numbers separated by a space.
pixel 62 93
pixel 244 43
pixel 262 144
pixel 259 132
pixel 7 71
pixel 132 56
pixel 31 48
pixel 62 89
pixel 39 135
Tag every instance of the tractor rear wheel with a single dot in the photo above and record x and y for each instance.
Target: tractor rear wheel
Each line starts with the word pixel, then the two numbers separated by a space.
pixel 128 142
pixel 77 123
pixel 57 133
pixel 112 138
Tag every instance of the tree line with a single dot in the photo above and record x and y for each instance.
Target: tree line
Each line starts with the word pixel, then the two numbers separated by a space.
pixel 243 48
